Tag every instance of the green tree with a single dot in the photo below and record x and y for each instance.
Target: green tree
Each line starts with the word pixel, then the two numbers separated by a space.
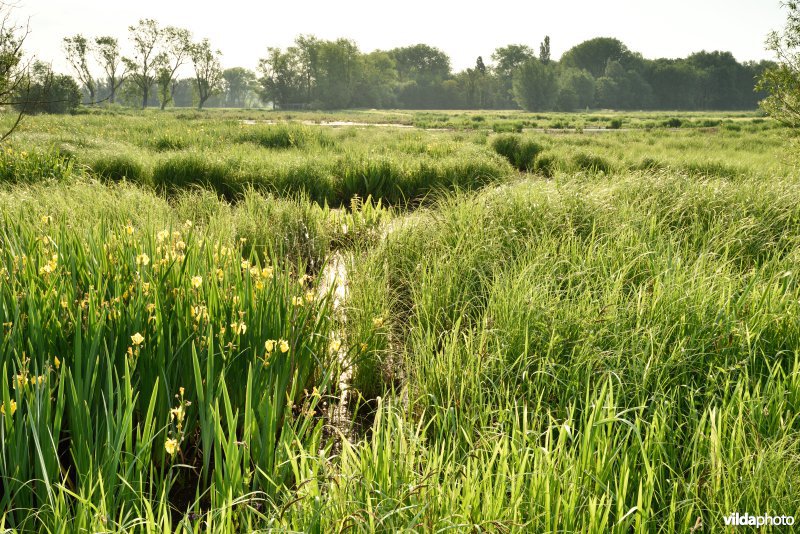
pixel 619 88
pixel 507 60
pixel 782 81
pixel 306 60
pixel 544 50
pixel 146 36
pixel 207 71
pixel 607 93
pixel 473 88
pixel 422 70
pixel 338 73
pixel 576 89
pixel 240 84
pixel 675 84
pixel 78 51
pixel 593 56
pixel 14 79
pixel 536 86
pixel 107 50
pixel 177 50
pixel 378 81
pixel 282 82
pixel 717 85
pixel 48 92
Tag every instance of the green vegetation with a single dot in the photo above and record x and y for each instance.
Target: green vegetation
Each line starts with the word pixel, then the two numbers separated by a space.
pixel 781 80
pixel 539 330
pixel 314 73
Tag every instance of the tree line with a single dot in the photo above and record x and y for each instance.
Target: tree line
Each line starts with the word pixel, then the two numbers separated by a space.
pixel 315 73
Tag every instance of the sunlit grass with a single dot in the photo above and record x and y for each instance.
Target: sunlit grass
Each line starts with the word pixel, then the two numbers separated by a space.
pixel 573 333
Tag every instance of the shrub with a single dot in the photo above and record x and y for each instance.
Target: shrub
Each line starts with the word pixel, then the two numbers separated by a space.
pixel 673 123
pixel 48 92
pixel 615 124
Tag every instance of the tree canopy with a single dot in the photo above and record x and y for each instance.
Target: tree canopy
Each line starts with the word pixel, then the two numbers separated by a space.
pixel 782 81
pixel 316 73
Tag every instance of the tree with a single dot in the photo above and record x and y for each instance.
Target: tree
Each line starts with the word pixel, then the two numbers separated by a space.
pixel 184 94
pixel 479 66
pixel 207 71
pixel 48 92
pixel 675 84
pixel 78 51
pixel 507 60
pixel 593 55
pixel 306 58
pixel 146 37
pixel 376 87
pixel 476 86
pixel 783 80
pixel 717 84
pixel 338 73
pixel 177 48
pixel 536 86
pixel 240 83
pixel 421 63
pixel 576 88
pixel 421 69
pixel 606 92
pixel 544 50
pixel 281 82
pixel 623 89
pixel 14 79
pixel 107 50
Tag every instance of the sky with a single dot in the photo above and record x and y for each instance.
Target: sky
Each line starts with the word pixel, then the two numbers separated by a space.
pixel 463 29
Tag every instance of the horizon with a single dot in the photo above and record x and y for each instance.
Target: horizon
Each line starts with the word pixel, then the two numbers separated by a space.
pixel 479 33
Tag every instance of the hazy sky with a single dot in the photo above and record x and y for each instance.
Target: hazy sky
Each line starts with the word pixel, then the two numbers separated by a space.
pixel 463 29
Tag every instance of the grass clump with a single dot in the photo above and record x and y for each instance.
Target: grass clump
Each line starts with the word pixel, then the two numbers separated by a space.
pixel 178 172
pixel 118 167
pixel 22 166
pixel 283 136
pixel 591 163
pixel 716 169
pixel 507 126
pixel 519 151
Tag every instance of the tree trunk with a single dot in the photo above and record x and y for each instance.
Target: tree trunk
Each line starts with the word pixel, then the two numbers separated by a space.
pixel 144 97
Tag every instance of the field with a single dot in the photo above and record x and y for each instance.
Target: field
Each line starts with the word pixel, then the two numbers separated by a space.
pixel 480 322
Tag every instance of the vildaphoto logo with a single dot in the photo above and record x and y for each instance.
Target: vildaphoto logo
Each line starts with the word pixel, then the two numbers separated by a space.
pixel 744 520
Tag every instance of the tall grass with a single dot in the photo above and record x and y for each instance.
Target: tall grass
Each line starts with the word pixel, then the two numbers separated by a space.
pixel 614 349
pixel 150 365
